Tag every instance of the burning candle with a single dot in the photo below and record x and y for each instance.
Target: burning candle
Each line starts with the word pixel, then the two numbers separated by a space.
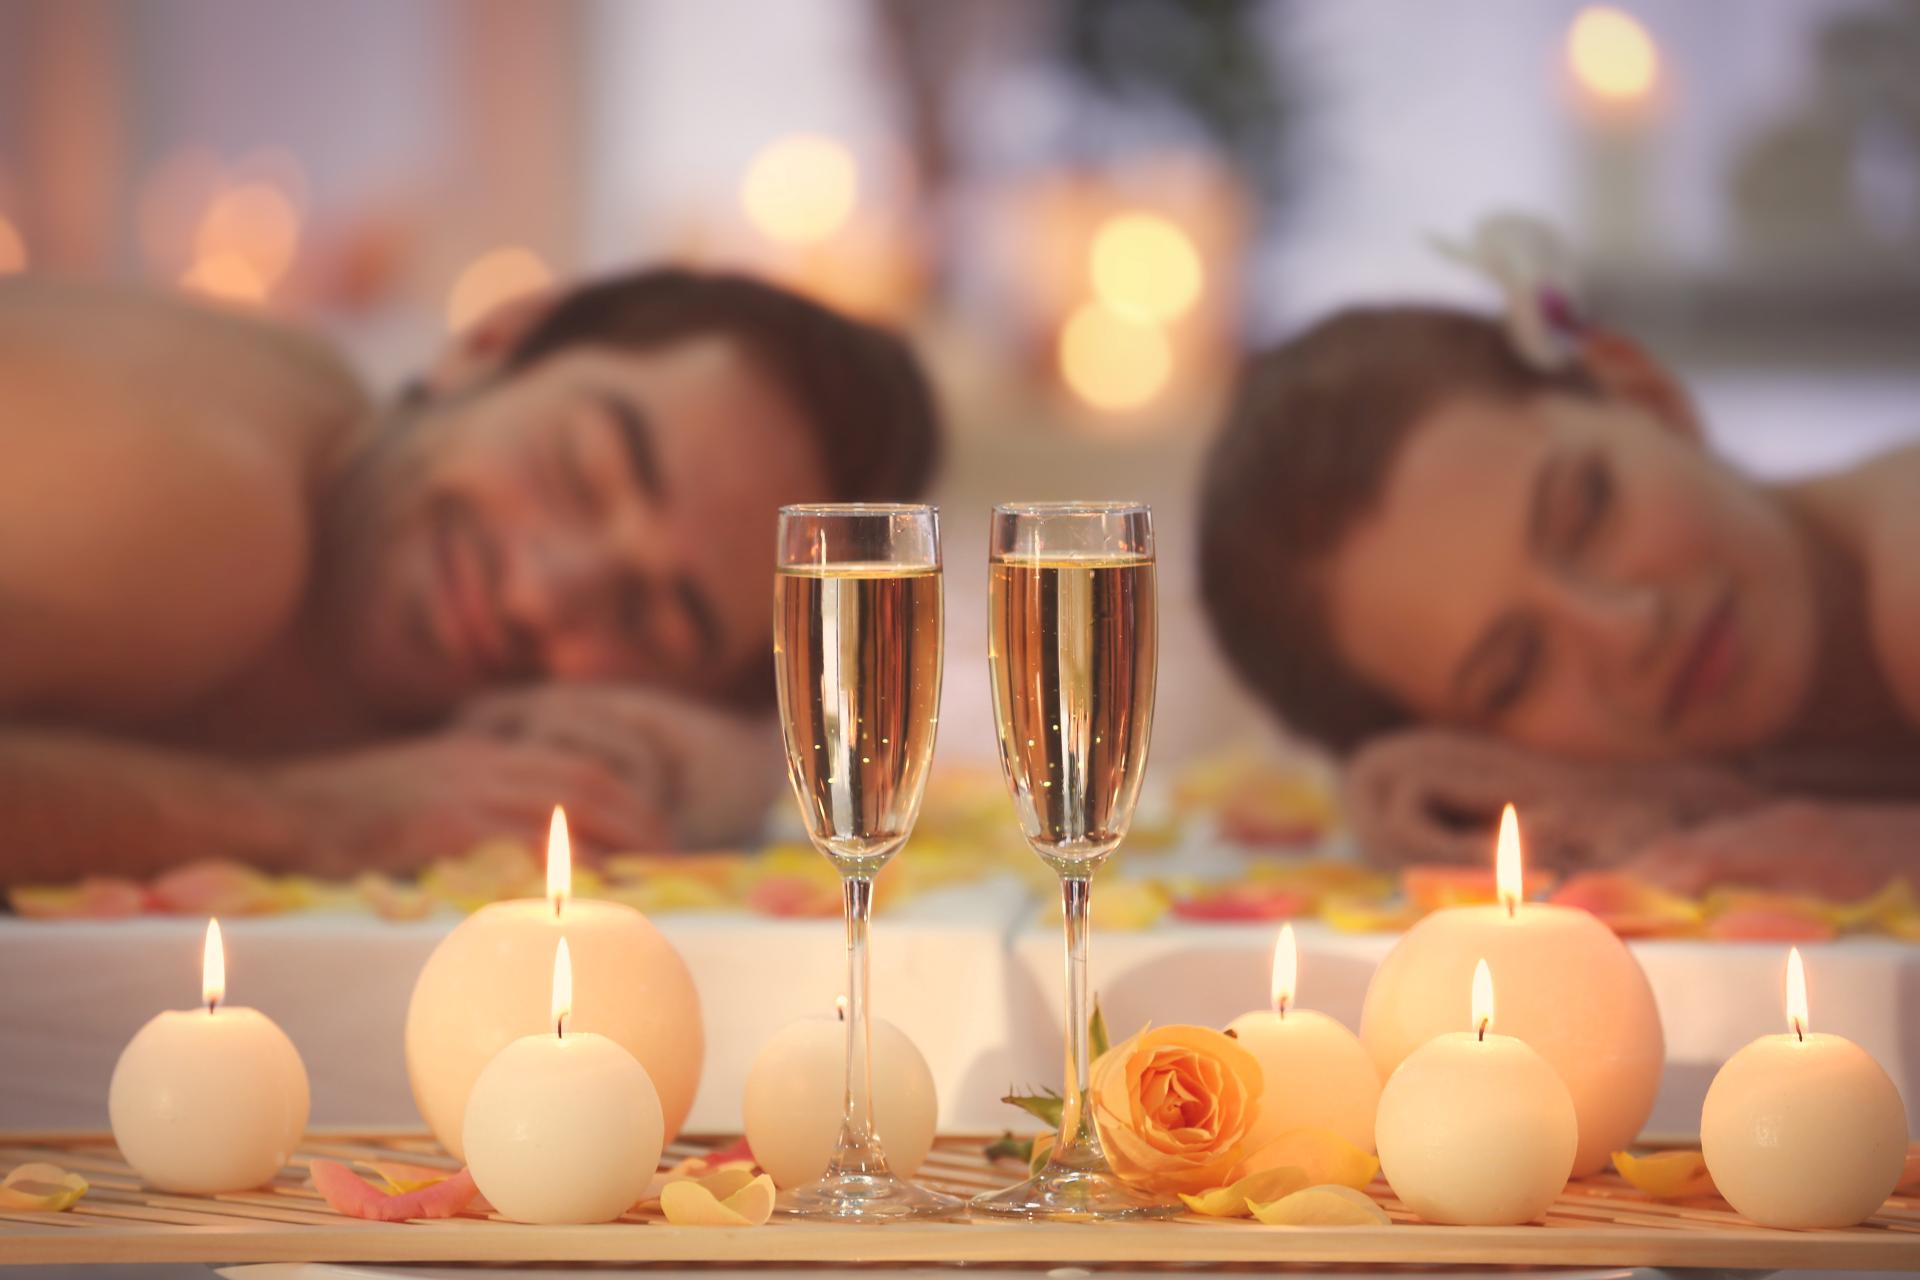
pixel 1476 1129
pixel 791 1107
pixel 484 987
pixel 1803 1129
pixel 1317 1074
pixel 210 1099
pixel 563 1126
pixel 1569 988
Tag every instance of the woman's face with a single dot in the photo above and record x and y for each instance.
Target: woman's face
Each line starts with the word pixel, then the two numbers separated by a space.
pixel 1574 575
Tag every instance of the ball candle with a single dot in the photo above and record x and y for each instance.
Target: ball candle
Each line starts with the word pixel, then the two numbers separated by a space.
pixel 1476 1129
pixel 1568 987
pixel 1803 1129
pixel 212 1099
pixel 484 987
pixel 563 1126
pixel 1316 1073
pixel 791 1107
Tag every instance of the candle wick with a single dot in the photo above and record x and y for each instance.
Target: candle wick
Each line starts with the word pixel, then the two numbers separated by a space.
pixel 560 1028
pixel 556 906
pixel 1510 907
pixel 1483 1030
pixel 1799 1031
pixel 1280 1007
pixel 210 1005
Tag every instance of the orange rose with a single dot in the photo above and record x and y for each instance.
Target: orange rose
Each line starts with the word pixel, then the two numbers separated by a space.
pixel 1176 1107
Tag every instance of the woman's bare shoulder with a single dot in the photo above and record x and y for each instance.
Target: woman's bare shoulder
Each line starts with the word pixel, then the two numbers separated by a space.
pixel 1888 489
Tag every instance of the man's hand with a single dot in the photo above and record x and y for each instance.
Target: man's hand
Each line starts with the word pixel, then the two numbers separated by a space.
pixel 394 807
pixel 711 774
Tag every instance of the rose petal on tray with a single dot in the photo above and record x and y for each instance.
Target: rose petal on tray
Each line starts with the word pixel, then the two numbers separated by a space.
pixel 794 898
pixel 401 1179
pixel 216 887
pixel 347 1192
pixel 94 898
pixel 1893 904
pixel 731 1197
pixel 1772 918
pixel 1666 1175
pixel 1323 1156
pixel 41 1188
pixel 1237 1200
pixel 1433 885
pixel 1327 1206
pixel 1366 915
pixel 1629 906
pixel 1234 902
pixel 1910 1177
pixel 392 899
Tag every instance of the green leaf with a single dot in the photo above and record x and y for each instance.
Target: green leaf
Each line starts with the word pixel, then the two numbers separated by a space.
pixel 1097 1041
pixel 1045 1106
pixel 1008 1147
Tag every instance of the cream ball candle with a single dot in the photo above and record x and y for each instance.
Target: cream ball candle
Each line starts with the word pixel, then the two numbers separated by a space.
pixel 212 1099
pixel 1568 987
pixel 1803 1129
pixel 793 1103
pixel 563 1126
pixel 1476 1129
pixel 484 987
pixel 1316 1074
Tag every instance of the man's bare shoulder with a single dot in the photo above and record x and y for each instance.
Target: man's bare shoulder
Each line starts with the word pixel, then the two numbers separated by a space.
pixel 153 506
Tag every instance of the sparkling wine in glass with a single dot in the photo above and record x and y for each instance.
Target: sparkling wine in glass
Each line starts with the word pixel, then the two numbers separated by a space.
pixel 857 635
pixel 1071 643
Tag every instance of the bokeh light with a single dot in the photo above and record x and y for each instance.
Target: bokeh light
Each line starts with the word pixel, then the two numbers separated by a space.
pixel 254 222
pixel 13 249
pixel 493 279
pixel 226 277
pixel 1146 265
pixel 1612 54
pixel 173 202
pixel 1114 360
pixel 800 189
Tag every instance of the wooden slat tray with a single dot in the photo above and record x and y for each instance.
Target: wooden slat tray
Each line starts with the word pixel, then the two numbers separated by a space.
pixel 1598 1222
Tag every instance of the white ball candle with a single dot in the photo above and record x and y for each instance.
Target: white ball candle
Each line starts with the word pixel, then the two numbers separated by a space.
pixel 795 1098
pixel 1568 987
pixel 484 987
pixel 212 1099
pixel 1315 1073
pixel 1476 1129
pixel 1803 1129
pixel 563 1126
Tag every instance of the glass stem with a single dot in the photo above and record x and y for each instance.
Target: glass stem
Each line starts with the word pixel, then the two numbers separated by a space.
pixel 1079 1143
pixel 858 1152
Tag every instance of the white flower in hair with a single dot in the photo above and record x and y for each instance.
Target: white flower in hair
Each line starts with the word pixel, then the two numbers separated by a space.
pixel 1535 270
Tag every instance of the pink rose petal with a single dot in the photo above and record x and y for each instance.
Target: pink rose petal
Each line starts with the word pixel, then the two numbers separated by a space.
pixel 214 887
pixel 94 898
pixel 347 1192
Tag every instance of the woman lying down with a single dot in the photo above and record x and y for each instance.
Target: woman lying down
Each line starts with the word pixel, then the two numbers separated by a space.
pixel 1509 529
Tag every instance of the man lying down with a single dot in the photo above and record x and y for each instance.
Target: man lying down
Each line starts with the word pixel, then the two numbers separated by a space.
pixel 246 611
pixel 1510 529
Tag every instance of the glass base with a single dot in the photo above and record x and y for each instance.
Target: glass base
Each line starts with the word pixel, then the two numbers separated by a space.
pixel 1073 1195
pixel 866 1197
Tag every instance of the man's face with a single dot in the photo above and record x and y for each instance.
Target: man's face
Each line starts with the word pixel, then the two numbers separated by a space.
pixel 602 514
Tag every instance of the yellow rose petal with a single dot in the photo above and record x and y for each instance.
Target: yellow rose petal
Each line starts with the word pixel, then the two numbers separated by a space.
pixel 1323 1155
pixel 1237 1201
pixel 1326 1206
pixel 1666 1175
pixel 721 1199
pixel 398 1179
pixel 41 1188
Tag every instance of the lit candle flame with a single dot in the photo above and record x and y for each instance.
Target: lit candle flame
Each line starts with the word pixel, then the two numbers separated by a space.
pixel 1286 969
pixel 559 861
pixel 1796 994
pixel 213 968
pixel 562 987
pixel 1506 863
pixel 1612 54
pixel 1482 999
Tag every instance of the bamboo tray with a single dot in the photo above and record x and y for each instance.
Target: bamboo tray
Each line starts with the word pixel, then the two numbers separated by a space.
pixel 1598 1222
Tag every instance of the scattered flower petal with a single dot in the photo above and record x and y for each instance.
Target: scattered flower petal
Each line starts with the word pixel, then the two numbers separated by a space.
pixel 731 1197
pixel 1324 1206
pixel 1770 924
pixel 41 1188
pixel 1357 915
pixel 347 1192
pixel 1910 1177
pixel 1433 885
pixel 1666 1175
pixel 216 887
pixel 401 1179
pixel 94 898
pixel 392 899
pixel 1237 1200
pixel 1629 906
pixel 1322 1155
pixel 1231 902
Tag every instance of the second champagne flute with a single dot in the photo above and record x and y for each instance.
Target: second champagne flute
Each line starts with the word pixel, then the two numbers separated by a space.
pixel 1071 645
pixel 857 635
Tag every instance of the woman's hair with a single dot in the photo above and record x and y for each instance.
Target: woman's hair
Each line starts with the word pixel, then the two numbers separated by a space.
pixel 859 387
pixel 1313 431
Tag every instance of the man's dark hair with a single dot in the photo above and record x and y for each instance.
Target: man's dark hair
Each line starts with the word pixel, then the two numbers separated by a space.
pixel 1312 432
pixel 858 386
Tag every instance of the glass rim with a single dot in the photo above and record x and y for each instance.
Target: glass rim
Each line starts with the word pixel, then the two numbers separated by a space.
pixel 1070 508
pixel 860 509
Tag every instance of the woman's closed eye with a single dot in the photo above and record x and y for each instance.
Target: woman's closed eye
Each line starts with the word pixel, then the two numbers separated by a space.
pixel 1588 498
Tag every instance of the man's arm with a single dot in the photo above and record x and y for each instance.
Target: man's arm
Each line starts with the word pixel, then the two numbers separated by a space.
pixel 74 804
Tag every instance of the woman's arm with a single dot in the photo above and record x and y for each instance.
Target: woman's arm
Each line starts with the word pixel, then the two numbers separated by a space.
pixel 1837 851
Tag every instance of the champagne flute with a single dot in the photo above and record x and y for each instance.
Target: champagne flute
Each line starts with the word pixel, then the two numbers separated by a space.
pixel 1070 640
pixel 857 634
